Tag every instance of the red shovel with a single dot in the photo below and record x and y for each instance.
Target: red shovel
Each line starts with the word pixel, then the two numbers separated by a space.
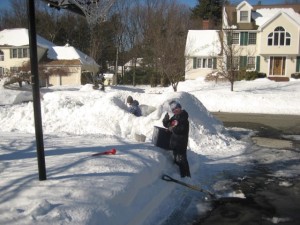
pixel 108 152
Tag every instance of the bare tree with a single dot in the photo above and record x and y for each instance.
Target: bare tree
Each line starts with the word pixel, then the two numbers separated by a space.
pixel 165 29
pixel 235 58
pixel 134 32
pixel 16 16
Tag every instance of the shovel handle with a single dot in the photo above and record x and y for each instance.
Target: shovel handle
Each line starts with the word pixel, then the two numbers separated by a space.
pixel 167 178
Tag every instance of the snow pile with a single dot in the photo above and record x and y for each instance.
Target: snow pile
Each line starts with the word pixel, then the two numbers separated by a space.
pixel 124 188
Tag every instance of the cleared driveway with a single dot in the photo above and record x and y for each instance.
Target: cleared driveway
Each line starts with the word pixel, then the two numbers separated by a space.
pixel 264 123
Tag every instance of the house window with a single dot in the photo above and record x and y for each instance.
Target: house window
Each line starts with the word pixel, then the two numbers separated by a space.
pixel 209 63
pixel 204 63
pixel 279 37
pixel 198 63
pixel 288 39
pixel 1 56
pixel 233 63
pixel 19 53
pixel 14 53
pixel 251 63
pixel 252 39
pixel 25 53
pixel 235 38
pixel 244 16
pixel 14 69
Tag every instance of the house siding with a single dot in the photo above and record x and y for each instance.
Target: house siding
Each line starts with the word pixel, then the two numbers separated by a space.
pixel 73 77
pixel 285 17
pixel 289 27
pixel 46 53
pixel 16 62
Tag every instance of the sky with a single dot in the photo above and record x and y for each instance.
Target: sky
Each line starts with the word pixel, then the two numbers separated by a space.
pixel 4 4
pixel 126 188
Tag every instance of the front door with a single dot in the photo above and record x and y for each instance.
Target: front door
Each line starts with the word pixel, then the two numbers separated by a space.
pixel 277 66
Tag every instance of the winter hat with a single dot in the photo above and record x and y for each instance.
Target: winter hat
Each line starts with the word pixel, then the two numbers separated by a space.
pixel 174 105
pixel 129 99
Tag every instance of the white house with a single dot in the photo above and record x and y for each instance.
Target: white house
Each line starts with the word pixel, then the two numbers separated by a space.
pixel 14 53
pixel 203 47
pixel 268 39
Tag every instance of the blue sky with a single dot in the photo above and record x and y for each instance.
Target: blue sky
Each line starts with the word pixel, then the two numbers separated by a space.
pixel 192 3
pixel 5 3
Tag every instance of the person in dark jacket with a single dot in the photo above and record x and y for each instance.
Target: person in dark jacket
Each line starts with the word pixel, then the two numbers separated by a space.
pixel 134 106
pixel 178 125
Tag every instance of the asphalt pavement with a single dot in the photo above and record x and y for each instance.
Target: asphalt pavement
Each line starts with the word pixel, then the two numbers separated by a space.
pixel 266 124
pixel 272 188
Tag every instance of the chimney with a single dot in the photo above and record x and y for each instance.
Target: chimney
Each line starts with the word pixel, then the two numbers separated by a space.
pixel 206 24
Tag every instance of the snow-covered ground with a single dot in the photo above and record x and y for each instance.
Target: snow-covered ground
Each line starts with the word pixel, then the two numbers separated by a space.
pixel 125 188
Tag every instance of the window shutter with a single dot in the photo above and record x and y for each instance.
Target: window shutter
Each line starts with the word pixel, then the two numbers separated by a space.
pixel 194 63
pixel 11 53
pixel 244 38
pixel 243 62
pixel 229 38
pixel 257 63
pixel 298 64
pixel 214 63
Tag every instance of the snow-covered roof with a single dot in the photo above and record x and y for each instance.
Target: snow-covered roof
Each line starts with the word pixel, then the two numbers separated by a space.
pixel 19 37
pixel 68 52
pixel 265 15
pixel 244 3
pixel 202 43
pixel 262 14
pixel 139 62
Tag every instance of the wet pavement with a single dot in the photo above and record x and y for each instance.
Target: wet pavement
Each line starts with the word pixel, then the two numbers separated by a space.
pixel 271 180
pixel 268 200
pixel 266 124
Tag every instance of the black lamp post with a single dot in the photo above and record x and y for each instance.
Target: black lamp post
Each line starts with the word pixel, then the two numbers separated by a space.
pixel 36 91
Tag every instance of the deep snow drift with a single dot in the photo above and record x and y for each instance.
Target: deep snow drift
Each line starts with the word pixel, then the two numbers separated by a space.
pixel 124 188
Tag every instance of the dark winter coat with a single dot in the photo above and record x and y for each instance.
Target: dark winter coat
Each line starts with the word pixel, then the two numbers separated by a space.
pixel 135 109
pixel 180 132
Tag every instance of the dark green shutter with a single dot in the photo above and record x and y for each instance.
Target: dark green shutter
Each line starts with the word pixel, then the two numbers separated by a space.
pixel 244 38
pixel 228 65
pixel 229 38
pixel 214 63
pixel 194 63
pixel 298 64
pixel 243 62
pixel 257 63
pixel 241 38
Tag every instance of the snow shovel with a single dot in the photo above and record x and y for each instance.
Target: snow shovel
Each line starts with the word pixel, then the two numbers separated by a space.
pixel 170 179
pixel 108 152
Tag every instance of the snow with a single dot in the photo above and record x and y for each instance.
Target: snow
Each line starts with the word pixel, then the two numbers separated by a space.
pixel 265 15
pixel 203 43
pixel 19 37
pixel 68 52
pixel 124 188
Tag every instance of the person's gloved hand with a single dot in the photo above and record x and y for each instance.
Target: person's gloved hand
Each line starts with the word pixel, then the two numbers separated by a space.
pixel 174 123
